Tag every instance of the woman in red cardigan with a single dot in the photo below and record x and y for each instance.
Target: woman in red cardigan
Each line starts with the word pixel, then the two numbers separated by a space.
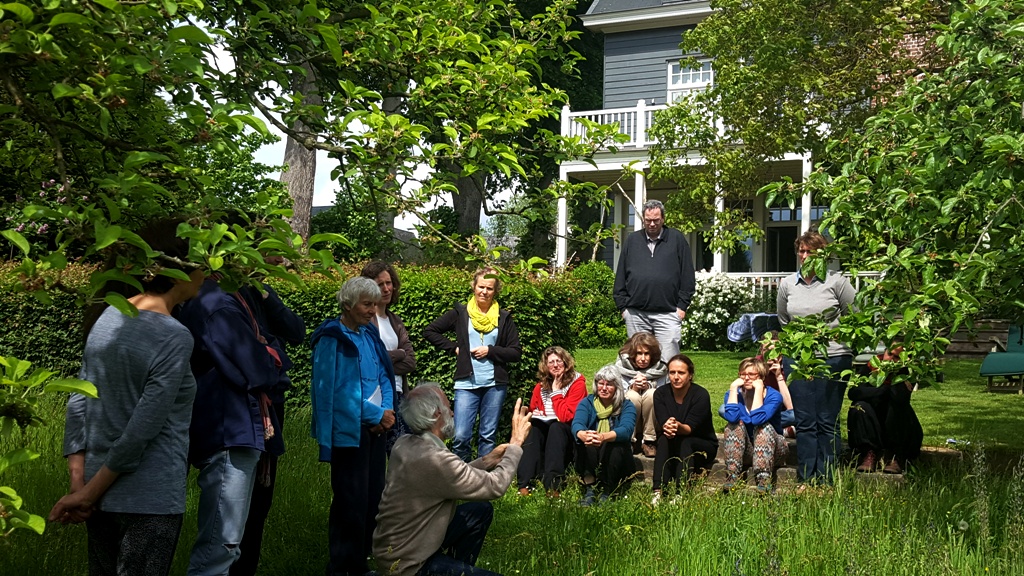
pixel 549 447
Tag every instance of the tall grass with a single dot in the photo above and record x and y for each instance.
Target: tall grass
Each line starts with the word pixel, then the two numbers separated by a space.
pixel 960 519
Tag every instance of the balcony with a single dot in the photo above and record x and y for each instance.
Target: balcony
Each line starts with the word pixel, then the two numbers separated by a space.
pixel 635 122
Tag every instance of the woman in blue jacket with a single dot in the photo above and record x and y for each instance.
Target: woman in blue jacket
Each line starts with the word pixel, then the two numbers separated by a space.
pixel 603 427
pixel 352 396
pixel 754 413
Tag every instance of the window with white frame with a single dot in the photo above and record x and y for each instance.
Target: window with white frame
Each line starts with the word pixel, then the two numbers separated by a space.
pixel 683 80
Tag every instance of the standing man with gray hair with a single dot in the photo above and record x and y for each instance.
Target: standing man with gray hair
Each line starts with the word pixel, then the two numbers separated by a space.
pixel 420 529
pixel 655 281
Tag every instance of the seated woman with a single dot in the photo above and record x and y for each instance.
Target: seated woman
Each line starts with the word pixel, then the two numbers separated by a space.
pixel 686 437
pixel 882 423
pixel 603 426
pixel 641 370
pixel 549 447
pixel 754 413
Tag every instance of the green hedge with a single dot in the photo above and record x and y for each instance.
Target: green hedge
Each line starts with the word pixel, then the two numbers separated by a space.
pixel 541 308
pixel 574 310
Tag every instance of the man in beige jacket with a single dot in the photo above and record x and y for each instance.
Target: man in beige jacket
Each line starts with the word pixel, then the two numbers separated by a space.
pixel 420 530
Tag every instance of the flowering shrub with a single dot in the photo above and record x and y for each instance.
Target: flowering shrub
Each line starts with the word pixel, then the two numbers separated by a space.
pixel 718 302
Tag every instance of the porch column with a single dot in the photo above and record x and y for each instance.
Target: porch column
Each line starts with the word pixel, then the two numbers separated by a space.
pixel 562 227
pixel 719 258
pixel 617 217
pixel 639 197
pixel 805 201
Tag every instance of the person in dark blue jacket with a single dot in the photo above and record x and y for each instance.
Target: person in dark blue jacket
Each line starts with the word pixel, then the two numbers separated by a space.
pixel 603 427
pixel 278 325
pixel 233 370
pixel 352 395
pixel 754 413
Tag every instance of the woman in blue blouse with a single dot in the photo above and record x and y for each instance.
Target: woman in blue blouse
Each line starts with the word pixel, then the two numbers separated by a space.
pixel 754 413
pixel 603 426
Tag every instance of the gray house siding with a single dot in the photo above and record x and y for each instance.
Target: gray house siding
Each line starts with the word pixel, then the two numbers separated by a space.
pixel 635 65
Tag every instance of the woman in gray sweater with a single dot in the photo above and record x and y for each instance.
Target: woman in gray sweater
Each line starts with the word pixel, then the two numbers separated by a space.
pixel 126 449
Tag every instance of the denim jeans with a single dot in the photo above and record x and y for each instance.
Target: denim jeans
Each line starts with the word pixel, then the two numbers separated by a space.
pixel 816 407
pixel 462 543
pixel 485 402
pixel 225 484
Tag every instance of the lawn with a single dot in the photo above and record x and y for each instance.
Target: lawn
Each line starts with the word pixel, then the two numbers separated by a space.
pixel 957 520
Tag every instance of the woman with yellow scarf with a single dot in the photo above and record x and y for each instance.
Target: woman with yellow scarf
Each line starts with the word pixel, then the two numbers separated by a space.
pixel 603 427
pixel 486 341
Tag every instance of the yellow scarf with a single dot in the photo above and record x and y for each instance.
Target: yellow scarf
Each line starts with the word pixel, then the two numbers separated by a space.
pixel 603 413
pixel 482 322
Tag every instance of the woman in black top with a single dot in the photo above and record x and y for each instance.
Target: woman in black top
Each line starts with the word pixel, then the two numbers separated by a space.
pixel 686 437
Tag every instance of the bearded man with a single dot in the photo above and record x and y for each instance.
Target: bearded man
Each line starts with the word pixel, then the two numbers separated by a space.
pixel 420 529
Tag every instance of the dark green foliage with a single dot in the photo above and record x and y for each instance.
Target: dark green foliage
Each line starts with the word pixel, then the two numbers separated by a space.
pixel 573 311
pixel 596 321
pixel 362 228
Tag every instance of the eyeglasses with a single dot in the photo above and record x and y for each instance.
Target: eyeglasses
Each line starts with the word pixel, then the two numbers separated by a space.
pixel 555 362
pixel 605 384
pixel 749 375
pixel 652 220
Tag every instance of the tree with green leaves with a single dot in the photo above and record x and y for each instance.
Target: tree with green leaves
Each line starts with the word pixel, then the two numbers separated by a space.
pixel 928 190
pixel 788 76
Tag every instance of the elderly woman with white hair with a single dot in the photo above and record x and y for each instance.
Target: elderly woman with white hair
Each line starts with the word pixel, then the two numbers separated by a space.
pixel 603 427
pixel 352 397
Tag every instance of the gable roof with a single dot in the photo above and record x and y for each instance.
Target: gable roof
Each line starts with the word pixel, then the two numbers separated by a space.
pixel 624 15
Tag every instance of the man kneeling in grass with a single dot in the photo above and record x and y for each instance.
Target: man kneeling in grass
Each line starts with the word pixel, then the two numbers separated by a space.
pixel 420 530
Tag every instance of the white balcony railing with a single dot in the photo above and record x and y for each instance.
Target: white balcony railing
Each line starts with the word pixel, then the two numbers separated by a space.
pixel 635 123
pixel 764 286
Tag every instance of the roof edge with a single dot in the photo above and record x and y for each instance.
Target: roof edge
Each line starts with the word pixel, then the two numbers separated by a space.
pixel 647 18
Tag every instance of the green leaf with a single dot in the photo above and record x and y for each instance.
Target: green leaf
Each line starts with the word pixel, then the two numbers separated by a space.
pixel 62 90
pixel 328 237
pixel 83 387
pixel 136 159
pixel 216 262
pixel 175 274
pixel 122 304
pixel 189 33
pixel 16 457
pixel 17 239
pixel 113 5
pixel 106 236
pixel 331 40
pixel 19 10
pixel 70 18
pixel 23 519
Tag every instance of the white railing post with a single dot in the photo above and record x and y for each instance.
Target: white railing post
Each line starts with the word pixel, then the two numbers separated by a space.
pixel 641 124
pixel 565 120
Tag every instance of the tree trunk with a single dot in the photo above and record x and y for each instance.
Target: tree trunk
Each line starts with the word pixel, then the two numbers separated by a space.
pixel 467 203
pixel 300 162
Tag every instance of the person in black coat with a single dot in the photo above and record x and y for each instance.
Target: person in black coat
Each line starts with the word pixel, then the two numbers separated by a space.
pixel 687 442
pixel 882 423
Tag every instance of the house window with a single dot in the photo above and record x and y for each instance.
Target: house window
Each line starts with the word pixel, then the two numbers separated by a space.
pixel 684 80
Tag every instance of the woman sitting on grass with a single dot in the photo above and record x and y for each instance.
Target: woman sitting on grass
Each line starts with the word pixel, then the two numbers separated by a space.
pixel 754 413
pixel 686 437
pixel 603 426
pixel 549 447
pixel 641 370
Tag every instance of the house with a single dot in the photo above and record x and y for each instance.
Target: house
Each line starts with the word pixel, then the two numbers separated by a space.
pixel 642 75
